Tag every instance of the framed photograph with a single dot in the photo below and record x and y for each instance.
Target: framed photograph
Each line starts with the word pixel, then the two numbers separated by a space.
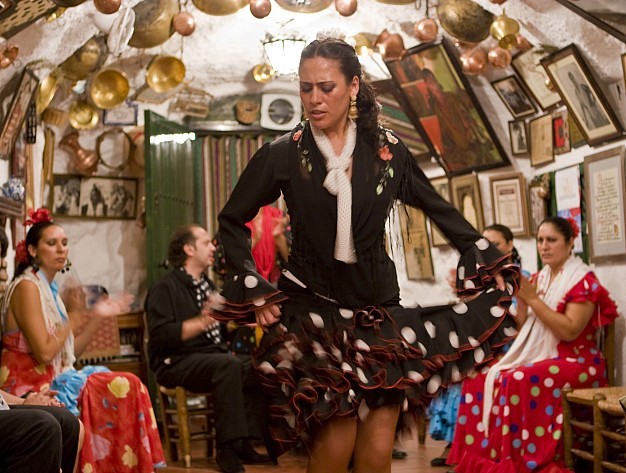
pixel 124 115
pixel 530 71
pixel 538 197
pixel 442 186
pixel 517 102
pixel 624 68
pixel 605 195
pixel 584 99
pixel 509 205
pixel 466 198
pixel 519 138
pixel 417 255
pixel 541 143
pixel 607 15
pixel 560 132
pixel 441 102
pixel 16 114
pixel 94 197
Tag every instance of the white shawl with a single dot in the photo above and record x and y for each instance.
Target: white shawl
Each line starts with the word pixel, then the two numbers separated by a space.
pixel 535 342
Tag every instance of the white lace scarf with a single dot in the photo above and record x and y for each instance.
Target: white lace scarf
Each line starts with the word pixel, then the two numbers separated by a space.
pixel 536 342
pixel 338 183
pixel 65 358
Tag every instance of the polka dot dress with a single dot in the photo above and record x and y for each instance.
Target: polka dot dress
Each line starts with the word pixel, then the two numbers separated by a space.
pixel 526 420
pixel 203 289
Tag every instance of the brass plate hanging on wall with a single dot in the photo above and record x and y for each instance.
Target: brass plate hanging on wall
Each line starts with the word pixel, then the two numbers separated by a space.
pixel 464 19
pixel 153 21
pixel 310 6
pixel 220 7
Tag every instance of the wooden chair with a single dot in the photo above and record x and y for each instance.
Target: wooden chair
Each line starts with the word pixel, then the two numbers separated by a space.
pixel 177 413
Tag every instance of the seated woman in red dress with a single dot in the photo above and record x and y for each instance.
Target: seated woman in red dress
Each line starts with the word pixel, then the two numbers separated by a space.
pixel 39 351
pixel 511 418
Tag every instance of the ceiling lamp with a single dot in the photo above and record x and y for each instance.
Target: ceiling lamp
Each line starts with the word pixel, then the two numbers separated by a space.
pixel 284 54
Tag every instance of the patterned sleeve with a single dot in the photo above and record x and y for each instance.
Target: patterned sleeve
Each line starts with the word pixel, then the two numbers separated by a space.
pixel 589 289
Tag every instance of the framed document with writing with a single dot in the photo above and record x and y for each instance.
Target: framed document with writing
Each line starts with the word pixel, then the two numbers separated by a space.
pixel 509 204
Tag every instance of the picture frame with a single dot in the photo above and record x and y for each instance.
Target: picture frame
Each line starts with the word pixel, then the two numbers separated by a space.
pixel 605 196
pixel 608 15
pixel 583 97
pixel 509 205
pixel 94 197
pixel 417 254
pixel 560 132
pixel 442 186
pixel 466 198
pixel 538 197
pixel 519 137
pixel 14 119
pixel 123 115
pixel 528 67
pixel 517 102
pixel 541 142
pixel 624 68
pixel 441 102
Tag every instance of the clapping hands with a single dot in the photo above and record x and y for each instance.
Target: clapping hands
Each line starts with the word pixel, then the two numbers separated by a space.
pixel 107 306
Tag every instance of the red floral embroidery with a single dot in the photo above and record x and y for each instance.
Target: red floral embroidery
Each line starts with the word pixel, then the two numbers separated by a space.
pixel 296 135
pixel 384 153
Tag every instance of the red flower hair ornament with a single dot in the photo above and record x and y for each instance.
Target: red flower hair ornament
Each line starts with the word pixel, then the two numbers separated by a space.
pixel 34 216
pixel 21 255
pixel 574 225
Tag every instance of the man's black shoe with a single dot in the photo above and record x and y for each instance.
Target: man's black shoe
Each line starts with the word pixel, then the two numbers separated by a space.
pixel 249 456
pixel 227 460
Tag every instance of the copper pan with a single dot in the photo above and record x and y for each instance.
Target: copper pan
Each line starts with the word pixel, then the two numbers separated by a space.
pixel 153 22
pixel 220 7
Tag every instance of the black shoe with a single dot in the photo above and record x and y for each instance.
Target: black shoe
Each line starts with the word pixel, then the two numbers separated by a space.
pixel 249 456
pixel 441 460
pixel 398 454
pixel 227 460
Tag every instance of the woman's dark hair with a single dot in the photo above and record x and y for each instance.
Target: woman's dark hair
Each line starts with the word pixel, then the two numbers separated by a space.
pixel 176 255
pixel 345 55
pixel 32 239
pixel 507 234
pixel 562 225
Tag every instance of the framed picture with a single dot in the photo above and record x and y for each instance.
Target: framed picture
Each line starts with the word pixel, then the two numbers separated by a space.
pixel 607 15
pixel 605 195
pixel 419 261
pixel 441 102
pixel 519 138
pixel 541 144
pixel 517 102
pixel 576 137
pixel 466 198
pixel 529 69
pixel 16 114
pixel 94 197
pixel 123 115
pixel 442 186
pixel 538 196
pixel 624 68
pixel 560 132
pixel 509 205
pixel 584 99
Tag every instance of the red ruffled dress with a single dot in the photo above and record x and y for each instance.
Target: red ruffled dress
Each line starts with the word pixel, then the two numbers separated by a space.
pixel 344 344
pixel 526 421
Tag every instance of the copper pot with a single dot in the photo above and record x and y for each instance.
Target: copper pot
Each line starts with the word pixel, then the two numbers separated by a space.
pixel 464 20
pixel 220 7
pixel 82 160
pixel 390 46
pixel 8 56
pixel 153 22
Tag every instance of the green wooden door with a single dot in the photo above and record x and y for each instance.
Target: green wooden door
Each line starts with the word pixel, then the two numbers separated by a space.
pixel 174 187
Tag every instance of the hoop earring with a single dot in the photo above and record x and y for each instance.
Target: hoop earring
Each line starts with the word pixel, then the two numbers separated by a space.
pixel 66 268
pixel 353 112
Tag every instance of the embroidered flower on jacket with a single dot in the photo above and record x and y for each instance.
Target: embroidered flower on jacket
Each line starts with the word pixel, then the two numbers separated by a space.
pixel 303 153
pixel 385 137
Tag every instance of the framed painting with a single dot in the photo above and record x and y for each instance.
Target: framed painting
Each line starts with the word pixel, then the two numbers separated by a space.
pixel 530 71
pixel 441 102
pixel 16 114
pixel 466 198
pixel 538 197
pixel 541 143
pixel 560 132
pixel 417 255
pixel 580 92
pixel 442 186
pixel 94 197
pixel 509 205
pixel 609 15
pixel 512 94
pixel 605 195
pixel 519 137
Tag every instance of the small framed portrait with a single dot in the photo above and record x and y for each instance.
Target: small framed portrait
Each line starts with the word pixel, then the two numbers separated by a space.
pixel 584 99
pixel 123 115
pixel 417 255
pixel 530 71
pixel 519 137
pixel 509 205
pixel 516 100
pixel 560 132
pixel 466 198
pixel 541 142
